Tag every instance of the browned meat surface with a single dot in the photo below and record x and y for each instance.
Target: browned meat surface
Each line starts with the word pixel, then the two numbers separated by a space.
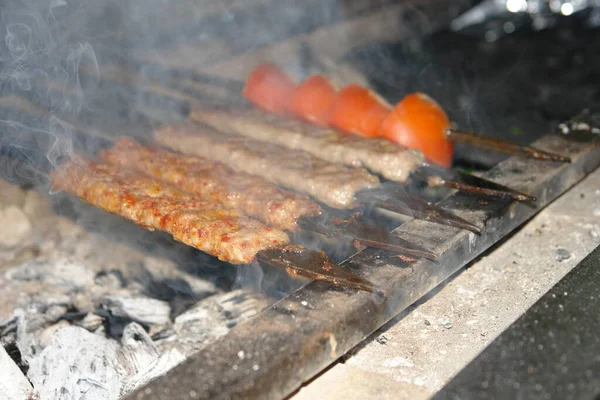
pixel 153 204
pixel 378 155
pixel 331 183
pixel 215 182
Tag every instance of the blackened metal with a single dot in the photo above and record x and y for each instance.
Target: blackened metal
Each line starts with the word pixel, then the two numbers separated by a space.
pixel 551 352
pixel 400 202
pixel 371 236
pixel 364 234
pixel 299 261
pixel 468 183
pixel 503 146
pixel 271 355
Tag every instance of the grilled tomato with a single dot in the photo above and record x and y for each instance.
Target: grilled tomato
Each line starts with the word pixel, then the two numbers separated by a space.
pixel 269 87
pixel 419 122
pixel 312 100
pixel 358 110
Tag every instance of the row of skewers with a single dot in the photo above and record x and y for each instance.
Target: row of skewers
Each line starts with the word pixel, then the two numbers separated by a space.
pixel 223 195
pixel 416 122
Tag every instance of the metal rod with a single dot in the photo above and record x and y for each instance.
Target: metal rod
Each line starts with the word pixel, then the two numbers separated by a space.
pixel 297 260
pixel 503 146
pixel 469 183
pixel 367 235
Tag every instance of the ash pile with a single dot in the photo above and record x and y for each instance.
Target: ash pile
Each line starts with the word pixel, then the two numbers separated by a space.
pixel 86 315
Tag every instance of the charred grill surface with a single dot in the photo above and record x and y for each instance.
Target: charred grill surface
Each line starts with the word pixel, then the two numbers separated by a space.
pixel 378 155
pixel 215 182
pixel 216 230
pixel 333 184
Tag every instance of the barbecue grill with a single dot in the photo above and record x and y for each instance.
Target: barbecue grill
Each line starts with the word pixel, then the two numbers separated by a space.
pixel 103 120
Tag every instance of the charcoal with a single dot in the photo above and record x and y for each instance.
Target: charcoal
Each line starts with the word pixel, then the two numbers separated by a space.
pixel 78 364
pixel 90 322
pixel 61 273
pixel 13 385
pixel 140 309
pixel 139 360
pixel 159 269
pixel 213 318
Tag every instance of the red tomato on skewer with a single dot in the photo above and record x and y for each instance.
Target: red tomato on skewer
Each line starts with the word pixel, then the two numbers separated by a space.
pixel 419 122
pixel 358 110
pixel 269 87
pixel 312 100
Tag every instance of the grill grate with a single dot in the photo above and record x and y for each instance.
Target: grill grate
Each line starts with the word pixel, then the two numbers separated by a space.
pixel 271 355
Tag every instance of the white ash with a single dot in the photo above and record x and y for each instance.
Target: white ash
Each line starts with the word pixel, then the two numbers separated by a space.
pixel 78 364
pixel 14 384
pixel 63 273
pixel 140 309
pixel 212 318
pixel 140 361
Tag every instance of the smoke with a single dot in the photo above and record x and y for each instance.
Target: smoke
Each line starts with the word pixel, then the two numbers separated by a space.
pixel 57 56
pixel 41 53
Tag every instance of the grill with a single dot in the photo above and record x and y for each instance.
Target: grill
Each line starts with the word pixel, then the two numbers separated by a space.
pixel 270 336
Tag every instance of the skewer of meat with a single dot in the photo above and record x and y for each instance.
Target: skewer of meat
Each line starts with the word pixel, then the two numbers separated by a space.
pixel 207 226
pixel 416 122
pixel 378 155
pixel 330 183
pixel 333 184
pixel 383 157
pixel 213 181
pixel 253 196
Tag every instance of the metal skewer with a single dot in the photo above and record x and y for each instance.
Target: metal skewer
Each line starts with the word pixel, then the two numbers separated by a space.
pixel 392 199
pixel 364 234
pixel 299 261
pixel 503 146
pixel 468 183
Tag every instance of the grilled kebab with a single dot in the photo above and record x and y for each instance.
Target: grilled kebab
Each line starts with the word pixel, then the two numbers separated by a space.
pixel 219 231
pixel 378 155
pixel 333 184
pixel 212 180
pixel 388 159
